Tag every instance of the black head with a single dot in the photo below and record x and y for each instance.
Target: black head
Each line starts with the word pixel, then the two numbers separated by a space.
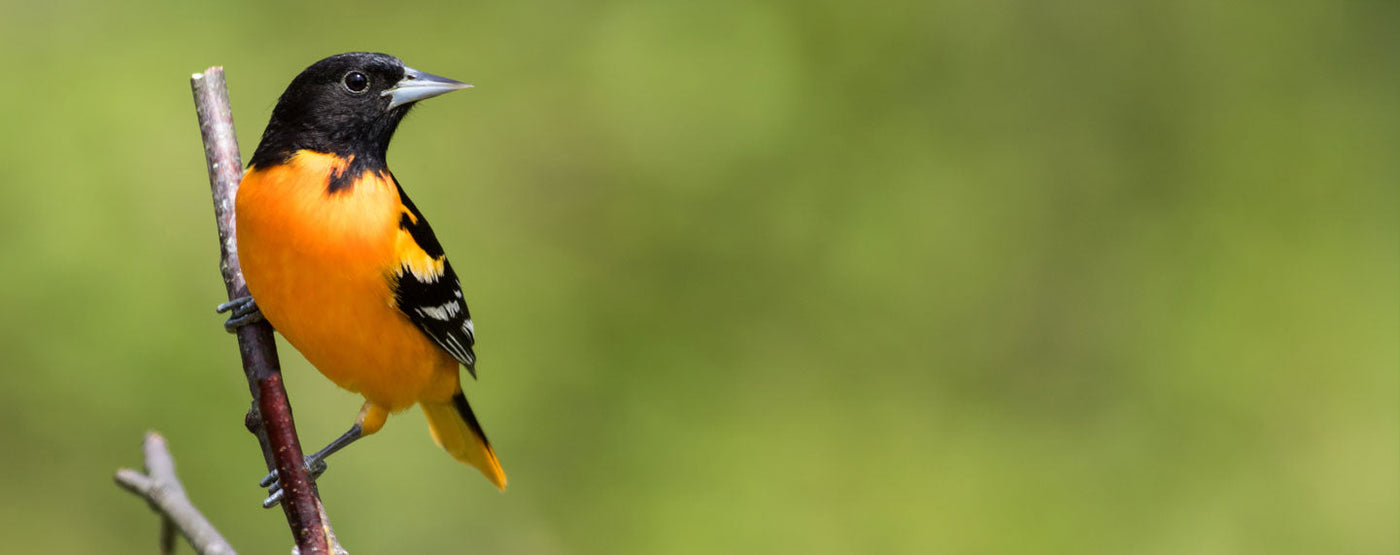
pixel 347 104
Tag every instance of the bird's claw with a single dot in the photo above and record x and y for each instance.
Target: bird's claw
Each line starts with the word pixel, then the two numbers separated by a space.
pixel 242 311
pixel 314 469
pixel 273 500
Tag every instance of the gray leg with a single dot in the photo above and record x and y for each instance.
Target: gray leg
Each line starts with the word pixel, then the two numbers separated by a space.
pixel 315 465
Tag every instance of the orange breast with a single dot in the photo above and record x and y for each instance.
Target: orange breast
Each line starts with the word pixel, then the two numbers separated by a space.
pixel 318 265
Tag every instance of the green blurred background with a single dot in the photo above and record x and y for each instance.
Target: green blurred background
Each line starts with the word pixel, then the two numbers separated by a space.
pixel 753 277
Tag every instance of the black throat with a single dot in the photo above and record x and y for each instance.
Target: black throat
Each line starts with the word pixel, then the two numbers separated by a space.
pixel 367 142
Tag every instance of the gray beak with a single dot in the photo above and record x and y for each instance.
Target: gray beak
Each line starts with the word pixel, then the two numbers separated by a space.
pixel 417 85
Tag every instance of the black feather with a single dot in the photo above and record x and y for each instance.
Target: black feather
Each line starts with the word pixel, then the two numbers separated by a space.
pixel 436 305
pixel 465 409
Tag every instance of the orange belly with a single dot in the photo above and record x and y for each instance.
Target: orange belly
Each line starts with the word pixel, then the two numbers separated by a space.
pixel 318 265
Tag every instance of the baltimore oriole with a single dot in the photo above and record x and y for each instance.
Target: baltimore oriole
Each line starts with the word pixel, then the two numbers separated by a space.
pixel 342 264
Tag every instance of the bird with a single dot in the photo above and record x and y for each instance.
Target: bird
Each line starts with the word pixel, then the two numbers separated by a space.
pixel 341 263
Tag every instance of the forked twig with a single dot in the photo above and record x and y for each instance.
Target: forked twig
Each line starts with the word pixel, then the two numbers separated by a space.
pixel 162 489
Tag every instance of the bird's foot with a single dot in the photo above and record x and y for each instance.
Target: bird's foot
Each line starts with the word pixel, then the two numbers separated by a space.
pixel 242 311
pixel 315 467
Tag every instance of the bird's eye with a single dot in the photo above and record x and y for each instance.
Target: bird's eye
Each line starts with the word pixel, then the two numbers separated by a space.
pixel 356 82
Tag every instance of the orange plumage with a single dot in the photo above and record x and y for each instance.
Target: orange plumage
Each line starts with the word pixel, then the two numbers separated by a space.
pixel 318 265
pixel 327 242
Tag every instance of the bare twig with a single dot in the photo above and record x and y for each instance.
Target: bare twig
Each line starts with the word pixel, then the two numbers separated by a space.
pixel 271 415
pixel 162 489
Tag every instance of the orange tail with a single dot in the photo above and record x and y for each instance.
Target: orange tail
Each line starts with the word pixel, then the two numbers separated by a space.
pixel 456 430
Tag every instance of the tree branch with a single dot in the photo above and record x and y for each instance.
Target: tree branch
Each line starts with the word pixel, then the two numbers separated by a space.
pixel 270 417
pixel 162 489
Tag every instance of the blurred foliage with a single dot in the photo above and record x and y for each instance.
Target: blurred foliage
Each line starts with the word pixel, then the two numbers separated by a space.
pixel 753 277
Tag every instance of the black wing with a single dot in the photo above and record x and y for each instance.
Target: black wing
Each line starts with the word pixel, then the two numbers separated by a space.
pixel 433 300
